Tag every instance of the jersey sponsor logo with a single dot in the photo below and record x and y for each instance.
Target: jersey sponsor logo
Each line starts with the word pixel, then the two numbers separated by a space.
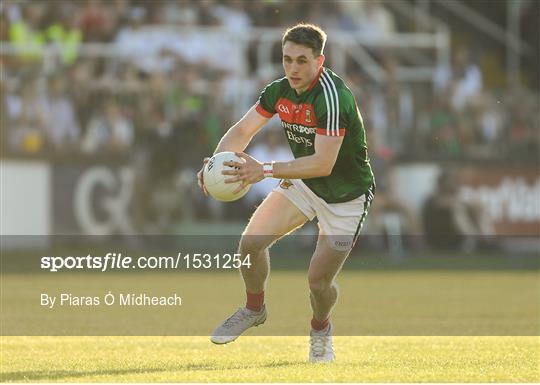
pixel 283 108
pixel 299 139
pixel 291 130
pixel 301 113
pixel 298 128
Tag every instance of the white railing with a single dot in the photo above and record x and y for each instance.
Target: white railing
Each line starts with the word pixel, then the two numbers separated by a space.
pixel 227 50
pixel 341 44
pixel 357 46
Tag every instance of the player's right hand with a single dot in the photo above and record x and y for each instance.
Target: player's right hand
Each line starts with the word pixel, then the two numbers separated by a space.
pixel 200 178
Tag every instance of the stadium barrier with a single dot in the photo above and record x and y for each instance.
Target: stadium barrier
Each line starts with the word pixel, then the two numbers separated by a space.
pixel 509 194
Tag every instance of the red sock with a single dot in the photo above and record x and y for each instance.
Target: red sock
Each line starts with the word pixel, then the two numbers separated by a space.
pixel 319 325
pixel 255 301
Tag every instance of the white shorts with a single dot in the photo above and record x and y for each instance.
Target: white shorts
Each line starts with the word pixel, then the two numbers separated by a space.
pixel 340 222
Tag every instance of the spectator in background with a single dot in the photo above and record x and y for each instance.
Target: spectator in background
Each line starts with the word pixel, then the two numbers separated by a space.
pixel 179 13
pixel 12 9
pixel 27 117
pixel 449 221
pixel 66 35
pixel 217 112
pixel 6 61
pixel 97 21
pixel 522 129
pixel 27 34
pixel 4 28
pixel 136 43
pixel 392 108
pixel 260 13
pixel 389 214
pixel 488 124
pixel 437 124
pixel 321 13
pixel 108 130
pixel 233 16
pixel 121 9
pixel 62 128
pixel 463 80
pixel 158 160
pixel 82 78
pixel 369 17
pixel 206 15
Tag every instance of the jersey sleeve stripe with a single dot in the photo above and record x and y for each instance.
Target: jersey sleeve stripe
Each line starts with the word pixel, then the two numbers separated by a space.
pixel 336 96
pixel 322 131
pixel 331 104
pixel 330 111
pixel 331 90
pixel 327 106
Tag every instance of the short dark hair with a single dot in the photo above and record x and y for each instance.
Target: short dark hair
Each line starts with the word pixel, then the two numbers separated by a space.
pixel 308 35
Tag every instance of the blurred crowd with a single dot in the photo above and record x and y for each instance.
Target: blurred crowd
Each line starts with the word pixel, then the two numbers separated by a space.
pixel 163 100
pixel 184 91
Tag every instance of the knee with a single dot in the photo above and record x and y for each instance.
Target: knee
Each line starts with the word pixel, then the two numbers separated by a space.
pixel 319 284
pixel 253 244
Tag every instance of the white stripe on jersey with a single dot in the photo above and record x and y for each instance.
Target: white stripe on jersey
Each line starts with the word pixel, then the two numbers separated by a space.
pixel 331 113
pixel 332 104
pixel 328 111
pixel 337 102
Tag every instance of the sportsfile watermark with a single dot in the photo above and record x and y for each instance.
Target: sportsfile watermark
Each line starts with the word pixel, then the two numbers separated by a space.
pixel 187 285
pixel 119 261
pixel 109 299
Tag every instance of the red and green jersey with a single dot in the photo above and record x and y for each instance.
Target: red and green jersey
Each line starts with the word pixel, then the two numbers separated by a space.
pixel 328 108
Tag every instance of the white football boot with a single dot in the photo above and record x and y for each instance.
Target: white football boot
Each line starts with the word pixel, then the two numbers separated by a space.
pixel 236 324
pixel 320 345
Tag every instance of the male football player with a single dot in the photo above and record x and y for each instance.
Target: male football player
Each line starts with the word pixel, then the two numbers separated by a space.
pixel 330 178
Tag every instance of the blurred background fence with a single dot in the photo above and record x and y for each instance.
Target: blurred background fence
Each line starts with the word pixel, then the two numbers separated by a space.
pixel 108 108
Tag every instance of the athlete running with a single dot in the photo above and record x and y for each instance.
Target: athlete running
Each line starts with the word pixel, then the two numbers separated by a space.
pixel 330 178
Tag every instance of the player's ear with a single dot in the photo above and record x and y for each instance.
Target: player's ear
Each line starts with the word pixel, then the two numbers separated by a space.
pixel 320 60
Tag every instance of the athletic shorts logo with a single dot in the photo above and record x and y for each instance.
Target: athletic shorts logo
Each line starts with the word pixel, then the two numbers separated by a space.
pixel 285 184
pixel 342 243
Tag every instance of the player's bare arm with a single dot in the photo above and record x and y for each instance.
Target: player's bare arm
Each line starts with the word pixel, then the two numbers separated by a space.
pixel 317 165
pixel 236 138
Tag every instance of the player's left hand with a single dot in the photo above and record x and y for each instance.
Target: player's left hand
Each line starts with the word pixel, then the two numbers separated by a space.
pixel 249 172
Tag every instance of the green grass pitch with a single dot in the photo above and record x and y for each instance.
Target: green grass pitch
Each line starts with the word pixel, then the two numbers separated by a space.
pixel 374 301
pixel 269 359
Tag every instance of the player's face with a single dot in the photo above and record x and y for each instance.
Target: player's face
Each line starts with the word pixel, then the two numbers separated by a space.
pixel 300 65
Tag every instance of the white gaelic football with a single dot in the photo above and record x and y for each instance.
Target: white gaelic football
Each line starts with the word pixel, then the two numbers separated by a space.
pixel 214 180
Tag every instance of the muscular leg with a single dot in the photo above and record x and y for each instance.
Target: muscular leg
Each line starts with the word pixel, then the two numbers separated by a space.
pixel 275 217
pixel 325 264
